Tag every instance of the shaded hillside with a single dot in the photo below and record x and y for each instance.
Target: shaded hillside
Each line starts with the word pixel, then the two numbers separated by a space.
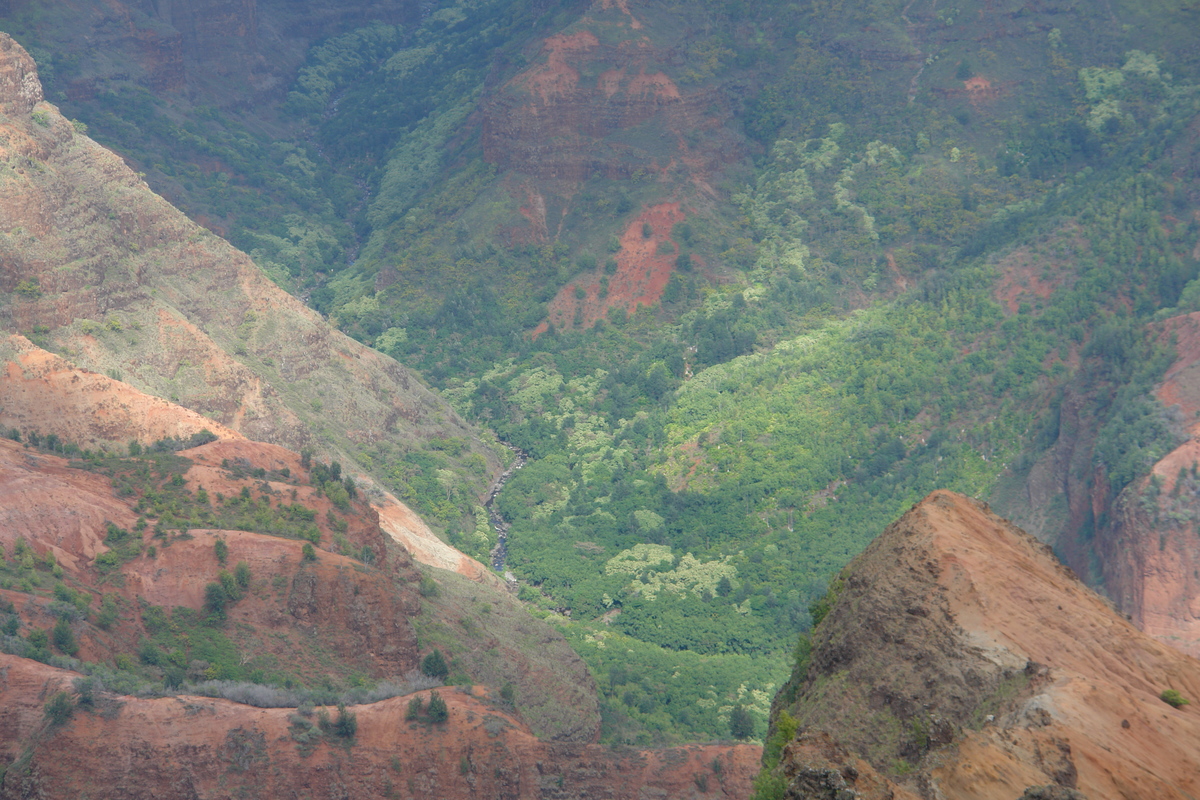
pixel 956 657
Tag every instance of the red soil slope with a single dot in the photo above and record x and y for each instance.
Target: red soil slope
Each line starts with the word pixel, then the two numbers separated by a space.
pixel 142 748
pixel 643 270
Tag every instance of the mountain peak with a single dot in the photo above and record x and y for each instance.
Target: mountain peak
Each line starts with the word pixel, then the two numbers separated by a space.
pixel 20 89
pixel 958 649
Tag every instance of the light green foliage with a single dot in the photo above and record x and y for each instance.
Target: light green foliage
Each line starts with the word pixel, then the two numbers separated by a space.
pixel 690 575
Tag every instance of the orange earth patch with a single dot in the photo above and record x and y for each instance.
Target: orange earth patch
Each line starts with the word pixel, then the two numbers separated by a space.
pixel 558 78
pixel 642 273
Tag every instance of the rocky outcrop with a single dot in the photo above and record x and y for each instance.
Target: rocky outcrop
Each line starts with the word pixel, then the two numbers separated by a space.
pixel 960 659
pixel 20 89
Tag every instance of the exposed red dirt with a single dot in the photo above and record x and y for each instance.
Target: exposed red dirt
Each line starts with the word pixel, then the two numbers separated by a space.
pixel 42 392
pixel 557 78
pixel 1028 275
pixel 642 273
pixel 134 748
pixel 978 91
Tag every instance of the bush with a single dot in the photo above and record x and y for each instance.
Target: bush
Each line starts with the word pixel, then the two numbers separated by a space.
pixel 308 553
pixel 108 612
pixel 437 711
pixel 215 600
pixel 222 551
pixel 434 665
pixel 64 637
pixel 429 587
pixel 415 706
pixel 347 723
pixel 741 724
pixel 1173 698
pixel 59 708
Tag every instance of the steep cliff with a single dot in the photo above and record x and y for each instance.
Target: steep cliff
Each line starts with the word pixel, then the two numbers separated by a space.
pixel 960 659
pixel 102 271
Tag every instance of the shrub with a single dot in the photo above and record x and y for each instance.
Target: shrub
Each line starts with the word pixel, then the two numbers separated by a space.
pixel 241 574
pixel 64 637
pixel 222 551
pixel 308 553
pixel 741 724
pixel 347 723
pixel 415 706
pixel 1173 698
pixel 59 708
pixel 108 612
pixel 215 600
pixel 437 711
pixel 434 665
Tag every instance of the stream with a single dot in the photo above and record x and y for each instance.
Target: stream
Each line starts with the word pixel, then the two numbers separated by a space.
pixel 500 551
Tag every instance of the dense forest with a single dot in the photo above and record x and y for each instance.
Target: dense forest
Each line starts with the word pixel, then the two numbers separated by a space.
pixel 913 231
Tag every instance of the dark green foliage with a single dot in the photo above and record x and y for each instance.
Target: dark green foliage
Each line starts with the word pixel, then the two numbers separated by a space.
pixel 215 601
pixel 308 552
pixel 741 724
pixel 434 665
pixel 59 708
pixel 437 711
pixel 64 638
pixel 346 724
pixel 221 550
pixel 38 641
pixel 241 574
pixel 413 710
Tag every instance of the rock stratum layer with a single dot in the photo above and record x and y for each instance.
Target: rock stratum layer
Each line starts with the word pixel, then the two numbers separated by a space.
pixel 960 659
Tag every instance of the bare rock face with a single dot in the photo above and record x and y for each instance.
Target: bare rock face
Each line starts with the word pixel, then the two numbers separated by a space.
pixel 122 283
pixel 20 89
pixel 960 659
